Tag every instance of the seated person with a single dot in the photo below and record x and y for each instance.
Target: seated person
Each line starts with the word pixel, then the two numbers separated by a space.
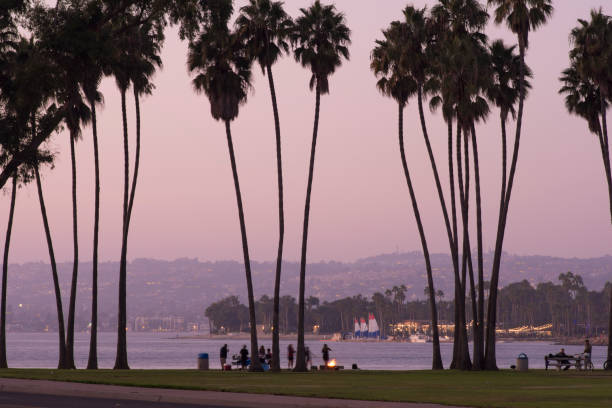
pixel 564 363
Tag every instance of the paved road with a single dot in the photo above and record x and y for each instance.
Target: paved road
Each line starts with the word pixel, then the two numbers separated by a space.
pixel 23 400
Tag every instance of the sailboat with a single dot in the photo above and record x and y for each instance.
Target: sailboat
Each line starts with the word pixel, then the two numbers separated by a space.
pixel 374 332
pixel 363 329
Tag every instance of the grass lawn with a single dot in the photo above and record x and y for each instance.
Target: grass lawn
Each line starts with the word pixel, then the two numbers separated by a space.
pixel 537 388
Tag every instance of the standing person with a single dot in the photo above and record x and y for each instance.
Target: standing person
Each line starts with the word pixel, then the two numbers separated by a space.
pixel 269 357
pixel 325 351
pixel 290 353
pixel 223 356
pixel 307 356
pixel 588 348
pixel 244 356
pixel 262 354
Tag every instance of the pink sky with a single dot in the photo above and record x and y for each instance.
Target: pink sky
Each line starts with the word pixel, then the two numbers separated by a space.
pixel 185 204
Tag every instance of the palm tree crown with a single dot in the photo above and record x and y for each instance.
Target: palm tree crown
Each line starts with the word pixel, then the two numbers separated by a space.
pixel 321 39
pixel 522 16
pixel 582 98
pixel 223 71
pixel 592 52
pixel 505 66
pixel 265 27
pixel 388 65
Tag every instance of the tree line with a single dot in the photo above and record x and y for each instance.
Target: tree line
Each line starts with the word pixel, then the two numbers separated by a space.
pixel 569 306
pixel 53 58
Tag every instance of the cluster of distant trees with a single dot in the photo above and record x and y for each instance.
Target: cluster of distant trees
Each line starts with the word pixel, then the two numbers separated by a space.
pixel 570 306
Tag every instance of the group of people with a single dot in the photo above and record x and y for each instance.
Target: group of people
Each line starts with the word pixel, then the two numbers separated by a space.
pixel 586 355
pixel 265 356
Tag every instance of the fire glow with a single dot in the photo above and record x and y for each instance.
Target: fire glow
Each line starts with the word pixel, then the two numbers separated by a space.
pixel 332 363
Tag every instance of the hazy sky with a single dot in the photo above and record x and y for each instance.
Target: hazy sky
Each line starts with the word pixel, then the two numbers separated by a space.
pixel 185 203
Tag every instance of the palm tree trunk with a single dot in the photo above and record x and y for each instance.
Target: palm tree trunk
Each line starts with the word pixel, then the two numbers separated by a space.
pixel 7 244
pixel 75 265
pixel 121 361
pixel 461 336
pixel 136 165
pixel 92 362
pixel 449 231
pixel 281 227
pixel 490 357
pixel 436 363
pixel 300 364
pixel 58 293
pixel 479 335
pixel 255 365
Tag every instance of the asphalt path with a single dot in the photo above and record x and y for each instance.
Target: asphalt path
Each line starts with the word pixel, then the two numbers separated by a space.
pixel 29 400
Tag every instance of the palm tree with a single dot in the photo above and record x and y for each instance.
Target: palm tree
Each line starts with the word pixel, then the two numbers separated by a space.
pixel 387 59
pixel 521 17
pixel 90 85
pixel 120 70
pixel 588 85
pixel 58 295
pixel 222 66
pixel 78 114
pixel 321 38
pixel 136 64
pixel 26 94
pixel 455 28
pixel 3 362
pixel 265 27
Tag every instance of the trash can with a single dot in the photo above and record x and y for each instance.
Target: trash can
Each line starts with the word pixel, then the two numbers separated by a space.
pixel 522 362
pixel 203 361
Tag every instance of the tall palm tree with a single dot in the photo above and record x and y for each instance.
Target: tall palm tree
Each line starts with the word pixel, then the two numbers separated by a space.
pixel 222 66
pixel 321 38
pixel 591 73
pixel 78 115
pixel 135 64
pixel 387 63
pixel 121 73
pixel 521 17
pixel 7 242
pixel 90 85
pixel 58 297
pixel 455 28
pixel 265 27
pixel 32 83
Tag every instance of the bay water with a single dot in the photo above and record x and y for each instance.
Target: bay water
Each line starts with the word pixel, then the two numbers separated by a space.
pixel 166 351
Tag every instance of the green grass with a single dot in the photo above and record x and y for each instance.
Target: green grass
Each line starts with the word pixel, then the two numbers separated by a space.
pixel 537 388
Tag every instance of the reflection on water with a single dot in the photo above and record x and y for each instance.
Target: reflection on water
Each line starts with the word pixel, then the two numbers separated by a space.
pixel 160 350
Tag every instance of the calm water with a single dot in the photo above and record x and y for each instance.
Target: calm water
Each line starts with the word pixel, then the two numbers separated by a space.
pixel 160 350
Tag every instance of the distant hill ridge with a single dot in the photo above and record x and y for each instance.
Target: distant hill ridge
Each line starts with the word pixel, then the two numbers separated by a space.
pixel 185 287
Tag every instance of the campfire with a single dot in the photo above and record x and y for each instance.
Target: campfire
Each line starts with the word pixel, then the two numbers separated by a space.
pixel 331 366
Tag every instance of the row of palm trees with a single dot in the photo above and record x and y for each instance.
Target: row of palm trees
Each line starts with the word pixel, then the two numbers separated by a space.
pixel 440 55
pixel 221 59
pixel 587 86
pixel 53 78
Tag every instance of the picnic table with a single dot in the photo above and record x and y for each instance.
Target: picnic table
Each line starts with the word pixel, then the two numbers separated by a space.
pixel 579 361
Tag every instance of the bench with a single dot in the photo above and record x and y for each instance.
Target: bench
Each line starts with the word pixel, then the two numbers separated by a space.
pixel 578 361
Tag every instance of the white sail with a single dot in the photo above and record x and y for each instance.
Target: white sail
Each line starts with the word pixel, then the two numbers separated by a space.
pixel 357 329
pixel 364 328
pixel 374 331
